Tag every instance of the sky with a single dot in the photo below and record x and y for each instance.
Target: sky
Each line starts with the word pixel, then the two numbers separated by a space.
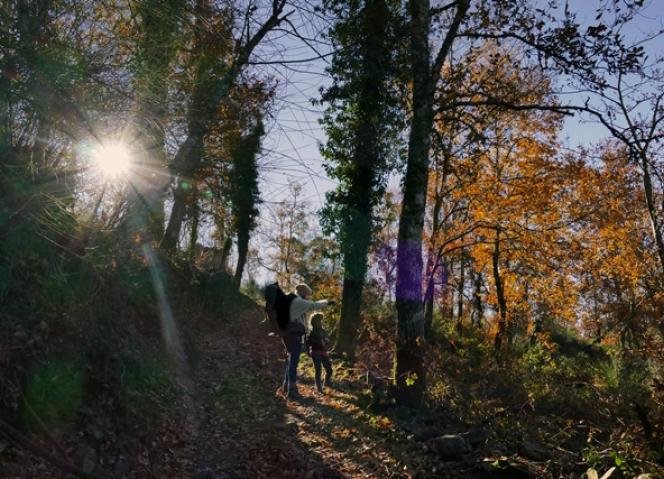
pixel 581 130
pixel 291 147
pixel 291 150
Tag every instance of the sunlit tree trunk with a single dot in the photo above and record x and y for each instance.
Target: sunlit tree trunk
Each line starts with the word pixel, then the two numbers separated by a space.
pixel 409 369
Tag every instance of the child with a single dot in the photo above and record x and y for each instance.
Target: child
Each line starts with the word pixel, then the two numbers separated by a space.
pixel 318 341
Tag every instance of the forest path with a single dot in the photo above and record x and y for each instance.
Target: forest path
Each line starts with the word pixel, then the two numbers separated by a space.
pixel 247 429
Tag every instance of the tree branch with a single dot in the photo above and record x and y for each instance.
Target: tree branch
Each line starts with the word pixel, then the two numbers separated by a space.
pixel 462 8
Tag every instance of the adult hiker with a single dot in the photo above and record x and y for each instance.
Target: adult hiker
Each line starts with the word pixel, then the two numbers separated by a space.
pixel 296 329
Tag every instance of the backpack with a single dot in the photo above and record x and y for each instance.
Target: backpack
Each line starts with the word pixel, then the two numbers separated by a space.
pixel 277 306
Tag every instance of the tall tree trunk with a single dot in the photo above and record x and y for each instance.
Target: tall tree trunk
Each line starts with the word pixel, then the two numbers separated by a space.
pixel 351 300
pixel 5 117
pixel 355 270
pixel 356 250
pixel 245 194
pixel 178 213
pixel 462 285
pixel 434 258
pixel 39 148
pixel 653 214
pixel 500 294
pixel 478 306
pixel 409 369
pixel 194 214
pixel 364 177
pixel 429 295
pixel 225 253
pixel 242 249
pixel 190 154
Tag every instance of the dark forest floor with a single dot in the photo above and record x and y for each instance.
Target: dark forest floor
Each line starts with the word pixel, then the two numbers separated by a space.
pixel 230 421
pixel 244 427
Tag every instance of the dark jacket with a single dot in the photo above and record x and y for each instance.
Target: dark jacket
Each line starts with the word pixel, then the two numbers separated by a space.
pixel 318 341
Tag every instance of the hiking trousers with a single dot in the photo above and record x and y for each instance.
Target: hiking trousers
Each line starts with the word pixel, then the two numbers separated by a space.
pixel 293 345
pixel 322 361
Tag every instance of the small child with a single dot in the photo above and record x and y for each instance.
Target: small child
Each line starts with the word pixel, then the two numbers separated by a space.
pixel 319 341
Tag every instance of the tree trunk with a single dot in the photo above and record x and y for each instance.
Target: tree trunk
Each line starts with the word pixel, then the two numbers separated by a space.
pixel 172 234
pixel 189 157
pixel 653 214
pixel 358 225
pixel 195 213
pixel 409 369
pixel 351 301
pixel 242 249
pixel 429 296
pixel 208 94
pixel 160 24
pixel 5 120
pixel 225 253
pixel 449 295
pixel 39 149
pixel 500 294
pixel 462 284
pixel 433 261
pixel 245 194
pixel 356 249
pixel 478 306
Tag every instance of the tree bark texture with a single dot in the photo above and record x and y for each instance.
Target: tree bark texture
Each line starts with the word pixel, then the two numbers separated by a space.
pixel 501 333
pixel 478 305
pixel 410 373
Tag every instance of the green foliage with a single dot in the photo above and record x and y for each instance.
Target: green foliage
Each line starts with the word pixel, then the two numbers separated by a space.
pixel 361 120
pixel 244 193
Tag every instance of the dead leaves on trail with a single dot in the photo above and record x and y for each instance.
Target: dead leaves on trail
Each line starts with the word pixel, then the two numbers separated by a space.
pixel 249 430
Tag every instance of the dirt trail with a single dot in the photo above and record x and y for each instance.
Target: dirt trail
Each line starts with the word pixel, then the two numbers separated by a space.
pixel 234 423
pixel 246 428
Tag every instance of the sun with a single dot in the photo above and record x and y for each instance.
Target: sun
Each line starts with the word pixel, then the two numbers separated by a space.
pixel 112 158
